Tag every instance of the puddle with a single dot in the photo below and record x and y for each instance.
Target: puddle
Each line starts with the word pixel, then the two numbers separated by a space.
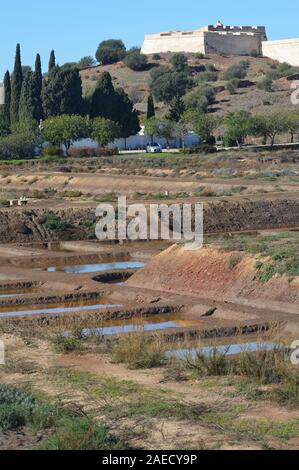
pixel 5 294
pixel 98 267
pixel 228 349
pixel 64 308
pixel 128 328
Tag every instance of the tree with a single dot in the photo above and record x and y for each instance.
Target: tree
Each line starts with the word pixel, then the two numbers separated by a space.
pixel 4 126
pixel 29 108
pixel 136 61
pixel 150 107
pixel 151 128
pixel 38 76
pixel 166 129
pixel 65 129
pixel 292 123
pixel 127 117
pixel 176 110
pixel 110 51
pixel 103 101
pixel 200 99
pixel 7 98
pixel 104 131
pixel 62 92
pixel 237 128
pixel 16 87
pixel 115 105
pixel 52 61
pixel 268 126
pixel 203 124
pixel 179 62
pixel 86 62
pixel 167 84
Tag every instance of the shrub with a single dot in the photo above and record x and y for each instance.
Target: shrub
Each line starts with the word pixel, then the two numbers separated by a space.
pixel 82 152
pixel 18 146
pixel 265 84
pixel 254 53
pixel 167 84
pixel 136 61
pixel 18 408
pixel 236 71
pixel 216 363
pixel 82 434
pixel 265 366
pixel 200 99
pixel 139 352
pixel 156 57
pixel 204 148
pixel 53 222
pixel 234 261
pixel 179 62
pixel 66 344
pixel 4 202
pixel 210 68
pixel 86 62
pixel 232 85
pixel 208 77
pixel 52 151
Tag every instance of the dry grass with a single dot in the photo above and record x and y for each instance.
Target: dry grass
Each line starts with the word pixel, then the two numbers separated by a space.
pixel 138 351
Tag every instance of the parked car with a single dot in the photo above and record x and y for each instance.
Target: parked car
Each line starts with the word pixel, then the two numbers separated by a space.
pixel 153 148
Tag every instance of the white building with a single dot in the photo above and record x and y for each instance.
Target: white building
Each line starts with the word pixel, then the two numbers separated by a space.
pixel 141 140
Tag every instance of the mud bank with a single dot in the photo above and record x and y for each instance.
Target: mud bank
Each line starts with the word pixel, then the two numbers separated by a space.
pixel 206 273
pixel 77 319
pixel 29 225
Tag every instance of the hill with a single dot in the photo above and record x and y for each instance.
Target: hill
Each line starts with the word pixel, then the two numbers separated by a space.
pixel 247 97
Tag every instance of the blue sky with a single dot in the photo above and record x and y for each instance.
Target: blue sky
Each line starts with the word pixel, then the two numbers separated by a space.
pixel 75 27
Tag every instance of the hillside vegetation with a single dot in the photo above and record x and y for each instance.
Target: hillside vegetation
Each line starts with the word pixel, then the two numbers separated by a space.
pixel 252 93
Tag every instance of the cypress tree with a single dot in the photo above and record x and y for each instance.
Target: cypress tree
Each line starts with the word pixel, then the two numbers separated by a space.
pixel 62 93
pixel 52 61
pixel 127 117
pixel 38 84
pixel 103 101
pixel 176 110
pixel 29 109
pixel 150 107
pixel 16 87
pixel 7 97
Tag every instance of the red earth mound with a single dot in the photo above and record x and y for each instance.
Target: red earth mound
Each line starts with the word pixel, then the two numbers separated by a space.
pixel 215 274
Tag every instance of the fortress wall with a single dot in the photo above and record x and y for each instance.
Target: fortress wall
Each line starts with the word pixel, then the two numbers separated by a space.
pixel 174 42
pixel 235 44
pixel 284 50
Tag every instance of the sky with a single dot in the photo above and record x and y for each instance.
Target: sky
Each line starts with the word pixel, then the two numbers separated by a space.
pixel 74 28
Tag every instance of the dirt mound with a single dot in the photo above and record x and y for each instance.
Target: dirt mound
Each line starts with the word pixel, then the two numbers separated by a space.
pixel 28 225
pixel 214 274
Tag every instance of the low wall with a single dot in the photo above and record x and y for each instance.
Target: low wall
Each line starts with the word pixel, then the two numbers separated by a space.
pixel 137 142
pixel 283 50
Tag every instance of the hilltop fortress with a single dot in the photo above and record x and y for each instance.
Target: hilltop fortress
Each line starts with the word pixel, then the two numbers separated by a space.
pixel 220 39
